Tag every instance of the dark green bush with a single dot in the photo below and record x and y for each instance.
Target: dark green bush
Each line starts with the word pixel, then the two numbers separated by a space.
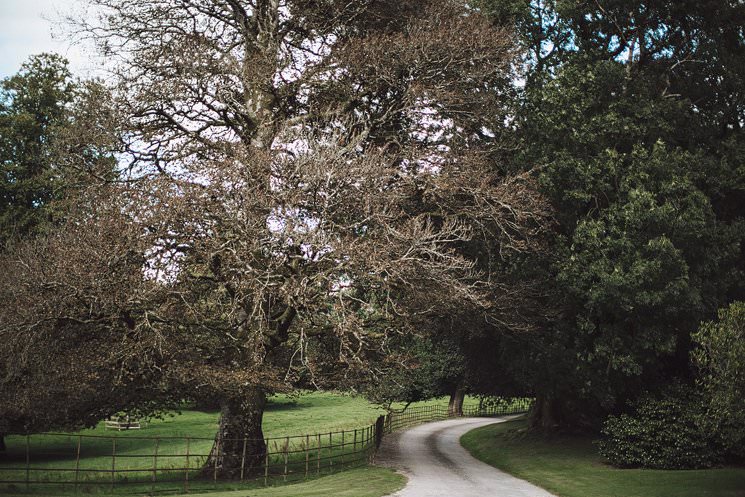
pixel 660 433
pixel 720 360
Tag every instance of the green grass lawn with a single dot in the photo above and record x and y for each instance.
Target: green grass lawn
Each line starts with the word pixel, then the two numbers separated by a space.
pixel 439 401
pixel 53 457
pixel 361 482
pixel 309 413
pixel 570 467
pixel 285 415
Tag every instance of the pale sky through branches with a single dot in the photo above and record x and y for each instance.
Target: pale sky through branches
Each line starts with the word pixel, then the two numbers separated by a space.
pixel 26 29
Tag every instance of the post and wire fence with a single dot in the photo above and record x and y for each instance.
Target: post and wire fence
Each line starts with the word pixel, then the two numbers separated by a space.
pixel 85 460
pixel 407 418
pixel 81 462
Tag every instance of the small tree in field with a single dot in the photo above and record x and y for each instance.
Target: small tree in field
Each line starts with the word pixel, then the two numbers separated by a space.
pixel 306 179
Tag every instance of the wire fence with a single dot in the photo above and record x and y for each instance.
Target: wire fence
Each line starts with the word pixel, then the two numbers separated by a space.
pixel 86 462
pixel 399 420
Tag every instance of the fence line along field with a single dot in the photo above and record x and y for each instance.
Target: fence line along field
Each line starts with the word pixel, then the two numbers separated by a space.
pixel 165 443
pixel 61 458
pixel 172 453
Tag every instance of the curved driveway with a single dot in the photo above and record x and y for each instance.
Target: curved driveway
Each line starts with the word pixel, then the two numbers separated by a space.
pixel 432 458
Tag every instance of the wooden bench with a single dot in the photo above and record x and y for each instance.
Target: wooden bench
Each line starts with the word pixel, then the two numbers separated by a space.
pixel 123 423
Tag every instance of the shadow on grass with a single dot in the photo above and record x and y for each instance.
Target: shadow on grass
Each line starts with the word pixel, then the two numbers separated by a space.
pixel 283 405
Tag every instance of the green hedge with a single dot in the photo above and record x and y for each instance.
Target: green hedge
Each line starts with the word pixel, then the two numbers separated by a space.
pixel 661 433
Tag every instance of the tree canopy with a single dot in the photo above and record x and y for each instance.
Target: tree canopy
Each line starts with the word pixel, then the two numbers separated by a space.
pixel 642 161
pixel 33 106
pixel 536 197
pixel 304 181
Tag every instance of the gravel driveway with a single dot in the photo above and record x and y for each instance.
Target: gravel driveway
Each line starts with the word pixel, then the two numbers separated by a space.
pixel 432 458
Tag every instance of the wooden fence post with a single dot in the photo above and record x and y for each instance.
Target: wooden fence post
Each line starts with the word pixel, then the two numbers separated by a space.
pixel 113 462
pixel 77 463
pixel 331 454
pixel 266 463
pixel 318 454
pixel 188 466
pixel 155 463
pixel 380 429
pixel 28 461
pixel 342 449
pixel 243 459
pixel 307 454
pixel 286 449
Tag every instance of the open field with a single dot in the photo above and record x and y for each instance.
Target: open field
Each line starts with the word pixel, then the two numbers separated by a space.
pixel 155 458
pixel 570 467
pixel 133 452
pixel 440 401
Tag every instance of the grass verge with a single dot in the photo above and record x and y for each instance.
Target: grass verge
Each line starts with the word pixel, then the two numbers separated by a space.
pixel 569 466
pixel 362 482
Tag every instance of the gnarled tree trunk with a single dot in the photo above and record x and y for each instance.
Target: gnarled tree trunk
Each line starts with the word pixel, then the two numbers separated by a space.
pixel 2 443
pixel 240 426
pixel 455 405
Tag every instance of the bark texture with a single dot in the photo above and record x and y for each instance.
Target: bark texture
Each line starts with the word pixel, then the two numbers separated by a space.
pixel 307 184
pixel 455 406
pixel 546 414
pixel 240 426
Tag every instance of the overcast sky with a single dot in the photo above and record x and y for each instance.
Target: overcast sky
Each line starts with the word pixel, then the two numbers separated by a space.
pixel 24 31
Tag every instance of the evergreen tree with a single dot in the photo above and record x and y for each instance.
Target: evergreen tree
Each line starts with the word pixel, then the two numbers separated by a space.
pixel 33 107
pixel 634 112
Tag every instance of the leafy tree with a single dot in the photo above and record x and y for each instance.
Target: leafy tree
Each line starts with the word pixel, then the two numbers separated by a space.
pixel 643 163
pixel 720 358
pixel 471 351
pixel 56 137
pixel 303 179
pixel 33 106
pixel 431 366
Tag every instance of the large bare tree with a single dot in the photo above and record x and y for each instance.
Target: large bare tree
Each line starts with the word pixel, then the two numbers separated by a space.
pixel 304 180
